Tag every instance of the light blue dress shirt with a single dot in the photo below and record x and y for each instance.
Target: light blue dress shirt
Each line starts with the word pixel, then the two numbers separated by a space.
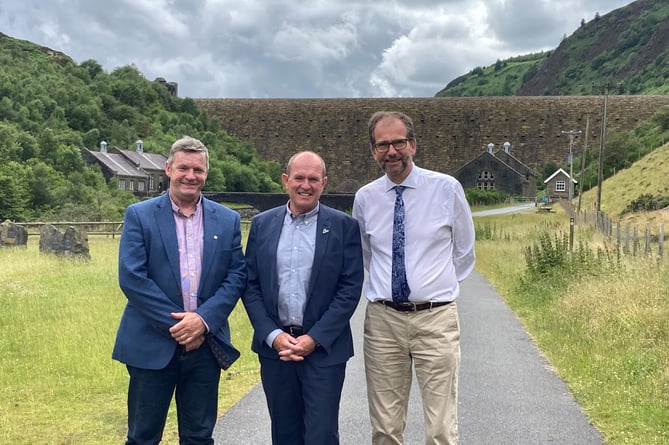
pixel 295 256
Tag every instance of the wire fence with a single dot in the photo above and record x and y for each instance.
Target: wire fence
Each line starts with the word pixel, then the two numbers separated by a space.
pixel 632 239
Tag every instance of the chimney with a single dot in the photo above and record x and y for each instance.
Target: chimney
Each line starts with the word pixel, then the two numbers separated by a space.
pixel 139 145
pixel 507 147
pixel 103 146
pixel 173 88
pixel 491 147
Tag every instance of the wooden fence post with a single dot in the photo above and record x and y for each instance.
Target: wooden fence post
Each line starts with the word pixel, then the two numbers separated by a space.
pixel 614 231
pixel 660 240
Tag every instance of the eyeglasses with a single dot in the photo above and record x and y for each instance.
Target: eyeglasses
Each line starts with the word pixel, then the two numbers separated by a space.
pixel 399 144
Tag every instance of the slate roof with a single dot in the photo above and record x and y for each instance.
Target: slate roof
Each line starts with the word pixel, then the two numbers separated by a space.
pixel 149 161
pixel 495 158
pixel 514 162
pixel 117 163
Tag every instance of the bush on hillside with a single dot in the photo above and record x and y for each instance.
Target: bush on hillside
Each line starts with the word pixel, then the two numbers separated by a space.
pixel 646 203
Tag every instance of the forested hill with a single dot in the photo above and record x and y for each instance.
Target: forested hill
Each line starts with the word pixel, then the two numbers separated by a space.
pixel 50 108
pixel 627 49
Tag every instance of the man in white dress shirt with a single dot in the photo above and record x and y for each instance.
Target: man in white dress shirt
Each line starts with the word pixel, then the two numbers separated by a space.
pixel 421 233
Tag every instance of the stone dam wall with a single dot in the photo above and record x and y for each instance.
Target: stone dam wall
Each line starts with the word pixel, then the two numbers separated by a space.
pixel 450 131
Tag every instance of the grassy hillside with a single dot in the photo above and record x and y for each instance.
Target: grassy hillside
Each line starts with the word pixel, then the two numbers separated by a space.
pixel 627 49
pixel 647 176
pixel 504 78
pixel 51 107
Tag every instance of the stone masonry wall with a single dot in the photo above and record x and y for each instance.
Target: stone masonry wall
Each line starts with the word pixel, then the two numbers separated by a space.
pixel 450 131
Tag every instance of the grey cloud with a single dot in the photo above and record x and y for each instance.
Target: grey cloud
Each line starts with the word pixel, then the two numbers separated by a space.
pixel 283 48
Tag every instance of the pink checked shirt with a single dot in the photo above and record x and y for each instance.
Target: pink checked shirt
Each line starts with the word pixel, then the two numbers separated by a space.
pixel 190 239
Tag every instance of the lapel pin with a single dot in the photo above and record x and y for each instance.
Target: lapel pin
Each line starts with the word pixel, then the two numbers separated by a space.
pixel 326 231
pixel 215 236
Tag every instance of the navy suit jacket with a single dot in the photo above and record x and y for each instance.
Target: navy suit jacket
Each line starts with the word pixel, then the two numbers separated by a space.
pixel 334 288
pixel 149 275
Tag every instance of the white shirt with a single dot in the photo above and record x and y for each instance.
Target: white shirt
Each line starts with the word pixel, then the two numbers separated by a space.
pixel 439 235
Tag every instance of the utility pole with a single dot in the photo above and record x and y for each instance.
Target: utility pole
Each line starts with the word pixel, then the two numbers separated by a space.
pixel 571 135
pixel 600 171
pixel 585 150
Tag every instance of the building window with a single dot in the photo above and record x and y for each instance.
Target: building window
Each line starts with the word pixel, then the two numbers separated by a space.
pixel 121 184
pixel 131 185
pixel 141 185
pixel 485 181
pixel 152 184
pixel 559 186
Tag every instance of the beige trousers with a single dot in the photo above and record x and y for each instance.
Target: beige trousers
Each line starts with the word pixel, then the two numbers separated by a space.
pixel 428 340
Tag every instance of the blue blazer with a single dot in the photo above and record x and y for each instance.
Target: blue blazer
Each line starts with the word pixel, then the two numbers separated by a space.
pixel 334 288
pixel 148 270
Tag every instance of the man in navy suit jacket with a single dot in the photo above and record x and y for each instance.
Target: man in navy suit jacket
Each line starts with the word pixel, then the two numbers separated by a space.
pixel 182 270
pixel 305 274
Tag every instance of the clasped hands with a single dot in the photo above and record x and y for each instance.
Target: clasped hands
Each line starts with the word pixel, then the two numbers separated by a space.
pixel 293 348
pixel 189 330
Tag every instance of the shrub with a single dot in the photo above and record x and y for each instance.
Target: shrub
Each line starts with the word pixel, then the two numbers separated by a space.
pixel 550 259
pixel 646 202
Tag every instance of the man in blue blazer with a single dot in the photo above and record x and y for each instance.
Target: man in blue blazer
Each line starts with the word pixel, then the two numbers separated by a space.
pixel 182 270
pixel 305 275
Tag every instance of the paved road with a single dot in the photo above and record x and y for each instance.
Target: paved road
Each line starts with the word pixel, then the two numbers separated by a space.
pixel 503 210
pixel 509 395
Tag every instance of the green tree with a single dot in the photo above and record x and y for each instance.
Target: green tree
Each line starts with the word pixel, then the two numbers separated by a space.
pixel 44 180
pixel 50 108
pixel 14 197
pixel 10 150
pixel 92 68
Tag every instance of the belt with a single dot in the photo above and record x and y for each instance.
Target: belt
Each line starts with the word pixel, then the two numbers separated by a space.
pixel 295 331
pixel 410 306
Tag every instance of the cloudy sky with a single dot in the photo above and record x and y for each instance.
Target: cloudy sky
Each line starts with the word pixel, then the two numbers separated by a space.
pixel 298 48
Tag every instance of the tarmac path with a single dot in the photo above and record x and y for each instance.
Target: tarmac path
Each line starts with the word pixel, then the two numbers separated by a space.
pixel 508 392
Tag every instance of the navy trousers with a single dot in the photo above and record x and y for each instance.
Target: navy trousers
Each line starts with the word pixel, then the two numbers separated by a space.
pixel 192 378
pixel 303 401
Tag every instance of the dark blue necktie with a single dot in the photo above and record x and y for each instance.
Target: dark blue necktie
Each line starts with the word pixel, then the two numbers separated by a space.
pixel 400 287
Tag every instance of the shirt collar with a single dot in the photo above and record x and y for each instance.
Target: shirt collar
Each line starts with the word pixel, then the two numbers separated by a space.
pixel 306 217
pixel 410 181
pixel 177 210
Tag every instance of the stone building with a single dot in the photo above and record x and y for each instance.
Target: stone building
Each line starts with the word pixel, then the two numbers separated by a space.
pixel 136 171
pixel 557 185
pixel 499 171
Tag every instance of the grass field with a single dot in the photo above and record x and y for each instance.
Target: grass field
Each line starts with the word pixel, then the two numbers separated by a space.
pixel 58 383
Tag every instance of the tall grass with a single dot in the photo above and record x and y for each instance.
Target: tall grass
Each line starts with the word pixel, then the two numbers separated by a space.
pixel 58 383
pixel 601 319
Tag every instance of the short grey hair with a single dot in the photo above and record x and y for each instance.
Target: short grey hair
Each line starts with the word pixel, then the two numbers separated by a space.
pixel 189 144
pixel 379 115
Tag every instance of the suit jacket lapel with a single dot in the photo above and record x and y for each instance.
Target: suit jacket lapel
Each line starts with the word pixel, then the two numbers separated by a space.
pixel 273 236
pixel 211 224
pixel 322 237
pixel 168 233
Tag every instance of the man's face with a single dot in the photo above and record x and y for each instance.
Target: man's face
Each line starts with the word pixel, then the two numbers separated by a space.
pixel 304 183
pixel 396 163
pixel 187 173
